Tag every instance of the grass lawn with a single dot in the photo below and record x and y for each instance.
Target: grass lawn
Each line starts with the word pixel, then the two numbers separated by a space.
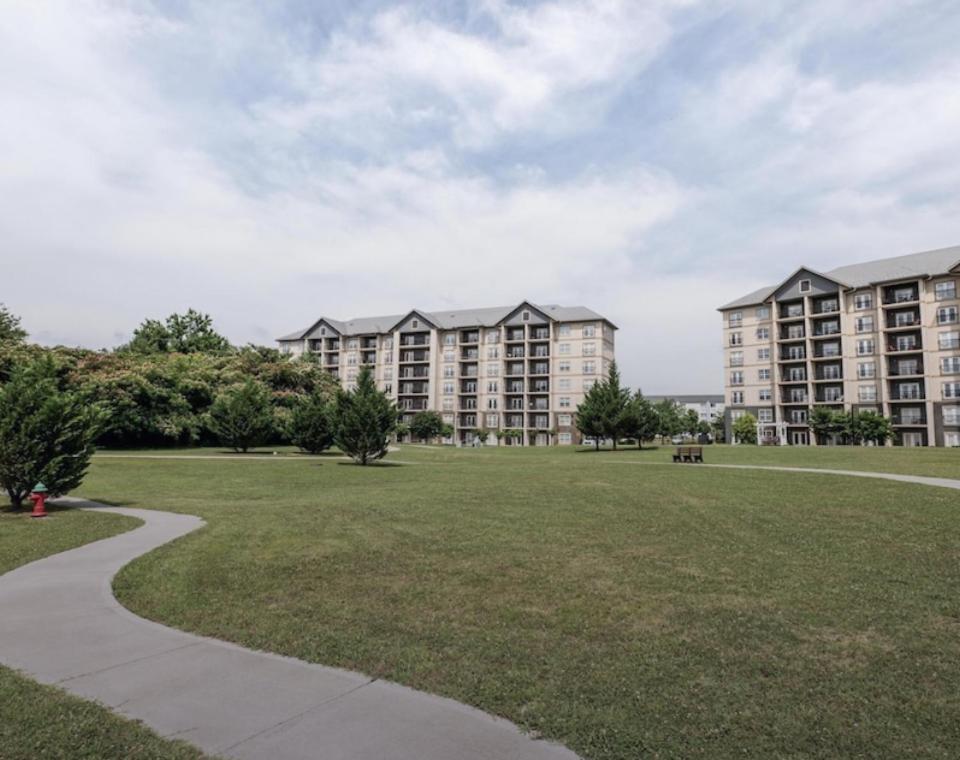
pixel 44 722
pixel 667 611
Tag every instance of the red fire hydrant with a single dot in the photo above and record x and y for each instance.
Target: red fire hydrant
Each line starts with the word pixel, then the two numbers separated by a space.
pixel 39 497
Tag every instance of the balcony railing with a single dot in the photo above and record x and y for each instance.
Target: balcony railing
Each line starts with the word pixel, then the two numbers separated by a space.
pixel 514 336
pixel 541 333
pixel 899 370
pixel 825 330
pixel 470 337
pixel 906 395
pixel 903 346
pixel 900 295
pixel 909 419
pixel 514 353
pixel 409 340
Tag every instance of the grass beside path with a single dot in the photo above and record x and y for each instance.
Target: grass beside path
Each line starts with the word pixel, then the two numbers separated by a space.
pixel 42 721
pixel 628 612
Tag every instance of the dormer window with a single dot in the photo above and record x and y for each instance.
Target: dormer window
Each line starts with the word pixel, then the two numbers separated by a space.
pixel 526 316
pixel 323 330
pixel 805 286
pixel 415 323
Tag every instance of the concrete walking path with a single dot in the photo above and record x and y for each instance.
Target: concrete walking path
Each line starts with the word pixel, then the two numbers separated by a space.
pixel 918 479
pixel 61 624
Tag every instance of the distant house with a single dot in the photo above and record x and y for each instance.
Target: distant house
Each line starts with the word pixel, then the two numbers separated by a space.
pixel 706 406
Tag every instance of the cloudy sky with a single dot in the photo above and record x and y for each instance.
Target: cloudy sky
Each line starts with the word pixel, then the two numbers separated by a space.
pixel 271 162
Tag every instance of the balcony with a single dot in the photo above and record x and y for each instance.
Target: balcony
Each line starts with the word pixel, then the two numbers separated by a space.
pixel 470 336
pixel 469 386
pixel 469 354
pixel 905 369
pixel 900 294
pixel 795 398
pixel 469 370
pixel 905 344
pixel 539 368
pixel 368 343
pixel 791 311
pixel 829 396
pixel 514 421
pixel 514 370
pixel 827 351
pixel 540 404
pixel 540 351
pixel 794 354
pixel 368 357
pixel 826 329
pixel 540 333
pixel 408 373
pixel 413 389
pixel 414 340
pixel 900 319
pixel 468 420
pixel 540 421
pixel 408 357
pixel 515 335
pixel 909 418
pixel 412 405
pixel 799 376
pixel 468 404
pixel 826 306
pixel 514 353
pixel 792 332
pixel 515 404
pixel 907 392
pixel 540 386
pixel 514 388
pixel 829 372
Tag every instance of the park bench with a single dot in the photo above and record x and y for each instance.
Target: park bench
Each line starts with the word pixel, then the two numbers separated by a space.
pixel 688 454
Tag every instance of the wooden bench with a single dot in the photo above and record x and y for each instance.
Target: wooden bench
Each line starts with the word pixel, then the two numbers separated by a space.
pixel 688 454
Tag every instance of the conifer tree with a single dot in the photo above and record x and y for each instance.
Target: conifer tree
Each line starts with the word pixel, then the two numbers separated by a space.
pixel 243 416
pixel 365 419
pixel 312 425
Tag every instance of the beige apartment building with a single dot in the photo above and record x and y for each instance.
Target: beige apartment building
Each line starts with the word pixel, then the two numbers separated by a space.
pixel 882 336
pixel 524 367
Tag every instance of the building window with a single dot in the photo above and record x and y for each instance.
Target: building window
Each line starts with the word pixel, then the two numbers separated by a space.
pixel 735 319
pixel 945 290
pixel 805 286
pixel 736 358
pixel 736 397
pixel 867 393
pixel 449 339
pixel 736 378
pixel 564 420
pixel 763 354
pixel 589 368
pixel 493 370
pixel 563 348
pixel 950 365
pixel 447 389
pixel 864 324
pixel 763 312
pixel 564 402
pixel 951 439
pixel 491 403
pixel 563 367
pixel 766 394
pixel 951 390
pixel 947 340
pixel 564 331
pixel 563 384
pixel 763 333
pixel 493 352
pixel 493 420
pixel 564 439
pixel 951 415
pixel 493 386
pixel 449 356
pixel 415 323
pixel 864 348
pixel 947 315
pixel 351 358
pixel 866 370
pixel 589 331
pixel 589 383
pixel 589 349
pixel 449 371
pixel 493 336
pixel 447 404
pixel 763 374
pixel 764 415
pixel 863 301
pixel 736 339
pixel 526 316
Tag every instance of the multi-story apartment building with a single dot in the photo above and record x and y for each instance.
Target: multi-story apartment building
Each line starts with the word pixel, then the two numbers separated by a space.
pixel 881 336
pixel 524 367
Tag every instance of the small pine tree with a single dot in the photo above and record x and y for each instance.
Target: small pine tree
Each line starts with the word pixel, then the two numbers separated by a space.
pixel 242 417
pixel 365 419
pixel 640 420
pixel 312 426
pixel 589 415
pixel 46 434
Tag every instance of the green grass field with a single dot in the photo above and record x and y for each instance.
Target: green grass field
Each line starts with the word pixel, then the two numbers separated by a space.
pixel 662 611
pixel 44 722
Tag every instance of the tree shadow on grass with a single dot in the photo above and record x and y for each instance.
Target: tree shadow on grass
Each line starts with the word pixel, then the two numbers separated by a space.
pixel 371 464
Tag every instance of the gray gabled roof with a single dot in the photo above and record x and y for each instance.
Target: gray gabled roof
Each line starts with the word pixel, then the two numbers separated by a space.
pixel 709 398
pixel 449 320
pixel 925 263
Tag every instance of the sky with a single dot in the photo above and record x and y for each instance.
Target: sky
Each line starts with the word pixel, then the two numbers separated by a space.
pixel 271 163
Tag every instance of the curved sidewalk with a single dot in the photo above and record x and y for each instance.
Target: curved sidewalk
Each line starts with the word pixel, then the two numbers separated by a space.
pixel 922 480
pixel 61 624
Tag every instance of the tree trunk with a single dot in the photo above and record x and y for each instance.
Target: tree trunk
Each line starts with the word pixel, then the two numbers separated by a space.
pixel 596 443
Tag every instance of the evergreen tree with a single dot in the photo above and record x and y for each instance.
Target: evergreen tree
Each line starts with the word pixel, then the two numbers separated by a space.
pixel 669 413
pixel 640 420
pixel 589 414
pixel 365 419
pixel 718 427
pixel 242 417
pixel 426 425
pixel 46 434
pixel 615 406
pixel 312 426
